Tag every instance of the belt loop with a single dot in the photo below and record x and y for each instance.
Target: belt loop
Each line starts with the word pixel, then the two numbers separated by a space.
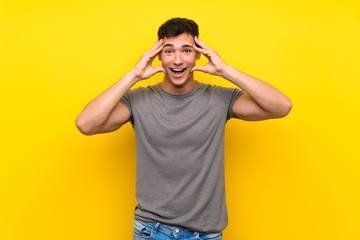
pixel 156 227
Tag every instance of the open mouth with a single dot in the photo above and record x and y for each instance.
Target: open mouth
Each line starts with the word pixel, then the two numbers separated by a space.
pixel 178 70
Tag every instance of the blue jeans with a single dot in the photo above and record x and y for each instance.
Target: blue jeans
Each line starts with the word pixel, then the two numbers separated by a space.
pixel 159 231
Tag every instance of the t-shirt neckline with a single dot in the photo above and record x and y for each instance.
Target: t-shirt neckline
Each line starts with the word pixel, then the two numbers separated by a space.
pixel 196 86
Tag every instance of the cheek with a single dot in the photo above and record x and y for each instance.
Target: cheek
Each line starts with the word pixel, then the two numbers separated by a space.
pixel 165 58
pixel 190 58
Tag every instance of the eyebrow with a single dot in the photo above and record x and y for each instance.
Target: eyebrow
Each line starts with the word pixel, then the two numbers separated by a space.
pixel 172 45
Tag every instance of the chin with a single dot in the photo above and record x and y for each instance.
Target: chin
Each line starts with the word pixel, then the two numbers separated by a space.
pixel 179 82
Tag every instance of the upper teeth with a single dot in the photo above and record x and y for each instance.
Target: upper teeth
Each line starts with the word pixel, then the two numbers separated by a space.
pixel 177 69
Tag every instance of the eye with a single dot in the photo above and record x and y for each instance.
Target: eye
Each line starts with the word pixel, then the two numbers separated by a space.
pixel 187 50
pixel 168 51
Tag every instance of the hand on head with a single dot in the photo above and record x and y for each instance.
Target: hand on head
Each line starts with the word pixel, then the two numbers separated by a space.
pixel 143 68
pixel 215 64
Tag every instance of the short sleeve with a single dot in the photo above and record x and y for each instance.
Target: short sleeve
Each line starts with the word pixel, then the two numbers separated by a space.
pixel 126 100
pixel 235 94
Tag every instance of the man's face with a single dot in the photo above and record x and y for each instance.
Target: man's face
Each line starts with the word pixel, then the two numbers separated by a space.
pixel 178 58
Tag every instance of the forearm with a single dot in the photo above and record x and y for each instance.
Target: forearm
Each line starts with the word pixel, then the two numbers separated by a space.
pixel 99 109
pixel 264 95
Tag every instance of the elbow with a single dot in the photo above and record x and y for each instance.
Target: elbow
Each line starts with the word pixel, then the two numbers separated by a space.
pixel 82 126
pixel 285 108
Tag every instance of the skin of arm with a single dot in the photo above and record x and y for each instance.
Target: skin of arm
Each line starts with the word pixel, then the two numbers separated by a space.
pixel 106 113
pixel 261 101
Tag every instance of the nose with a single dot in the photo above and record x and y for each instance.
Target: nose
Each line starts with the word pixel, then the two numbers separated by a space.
pixel 177 59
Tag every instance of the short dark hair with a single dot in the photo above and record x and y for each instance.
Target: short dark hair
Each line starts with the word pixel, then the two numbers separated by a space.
pixel 176 26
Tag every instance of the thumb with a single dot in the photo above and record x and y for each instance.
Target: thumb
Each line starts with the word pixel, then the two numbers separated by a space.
pixel 199 68
pixel 159 69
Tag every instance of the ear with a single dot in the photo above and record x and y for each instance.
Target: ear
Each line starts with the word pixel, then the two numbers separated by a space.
pixel 198 54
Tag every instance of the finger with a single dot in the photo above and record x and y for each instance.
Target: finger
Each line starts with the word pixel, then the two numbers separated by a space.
pixel 198 68
pixel 206 53
pixel 156 51
pixel 158 43
pixel 201 43
pixel 203 51
pixel 159 69
pixel 155 48
pixel 153 71
pixel 151 54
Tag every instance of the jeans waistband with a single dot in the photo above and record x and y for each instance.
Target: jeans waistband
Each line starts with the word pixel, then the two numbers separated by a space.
pixel 167 229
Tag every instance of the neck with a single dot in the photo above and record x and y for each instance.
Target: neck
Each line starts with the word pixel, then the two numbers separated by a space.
pixel 169 87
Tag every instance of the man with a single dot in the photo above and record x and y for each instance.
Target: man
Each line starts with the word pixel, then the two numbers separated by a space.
pixel 179 127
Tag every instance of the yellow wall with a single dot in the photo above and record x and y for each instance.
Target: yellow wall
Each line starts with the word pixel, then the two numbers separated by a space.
pixel 292 178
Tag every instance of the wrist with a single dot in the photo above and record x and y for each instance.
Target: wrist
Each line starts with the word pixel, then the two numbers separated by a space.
pixel 133 76
pixel 225 71
pixel 130 78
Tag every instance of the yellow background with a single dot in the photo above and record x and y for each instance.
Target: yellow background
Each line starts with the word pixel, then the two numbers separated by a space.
pixel 292 178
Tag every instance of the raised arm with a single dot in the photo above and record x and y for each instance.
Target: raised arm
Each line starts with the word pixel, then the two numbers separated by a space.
pixel 106 113
pixel 262 100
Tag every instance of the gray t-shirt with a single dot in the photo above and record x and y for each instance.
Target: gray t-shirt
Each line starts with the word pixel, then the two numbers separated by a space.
pixel 180 154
